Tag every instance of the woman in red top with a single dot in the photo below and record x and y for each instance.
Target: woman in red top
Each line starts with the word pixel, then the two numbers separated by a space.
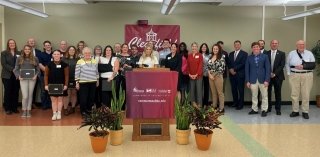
pixel 195 64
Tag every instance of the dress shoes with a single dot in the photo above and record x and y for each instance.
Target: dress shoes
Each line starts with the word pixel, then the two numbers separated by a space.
pixel 264 114
pixel 221 111
pixel 8 112
pixel 253 112
pixel 239 108
pixel 305 115
pixel 278 113
pixel 15 111
pixel 234 105
pixel 294 114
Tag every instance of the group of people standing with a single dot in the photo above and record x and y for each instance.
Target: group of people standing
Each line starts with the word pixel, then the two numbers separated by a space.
pixel 86 75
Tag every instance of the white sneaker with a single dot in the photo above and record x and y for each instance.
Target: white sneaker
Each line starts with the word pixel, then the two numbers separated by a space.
pixel 54 117
pixel 58 115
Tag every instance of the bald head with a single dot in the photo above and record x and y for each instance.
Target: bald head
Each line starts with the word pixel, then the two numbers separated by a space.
pixel 31 42
pixel 300 44
pixel 63 46
pixel 274 44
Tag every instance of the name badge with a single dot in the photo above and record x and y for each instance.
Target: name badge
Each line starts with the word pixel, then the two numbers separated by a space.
pixel 128 58
pixel 58 66
pixel 18 56
pixel 169 58
pixel 196 56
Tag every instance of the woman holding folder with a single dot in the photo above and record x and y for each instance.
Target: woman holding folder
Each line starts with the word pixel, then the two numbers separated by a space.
pixel 27 70
pixel 56 80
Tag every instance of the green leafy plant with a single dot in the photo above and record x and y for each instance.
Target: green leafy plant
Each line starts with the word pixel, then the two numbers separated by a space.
pixel 100 120
pixel 183 111
pixel 116 105
pixel 205 119
pixel 316 53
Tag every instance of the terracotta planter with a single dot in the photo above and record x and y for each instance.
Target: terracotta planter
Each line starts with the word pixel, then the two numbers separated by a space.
pixel 182 136
pixel 318 100
pixel 203 141
pixel 99 144
pixel 116 137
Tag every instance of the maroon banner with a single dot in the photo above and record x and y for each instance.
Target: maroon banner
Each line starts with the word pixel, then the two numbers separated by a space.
pixel 151 94
pixel 141 35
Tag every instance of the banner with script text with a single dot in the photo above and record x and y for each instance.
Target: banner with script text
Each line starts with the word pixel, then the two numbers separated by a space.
pixel 141 35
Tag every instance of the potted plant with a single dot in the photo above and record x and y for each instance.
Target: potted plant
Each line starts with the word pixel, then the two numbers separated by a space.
pixel 316 53
pixel 99 120
pixel 183 112
pixel 205 119
pixel 116 129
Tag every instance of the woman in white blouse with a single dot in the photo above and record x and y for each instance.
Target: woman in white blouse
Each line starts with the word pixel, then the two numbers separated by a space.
pixel 108 68
pixel 147 59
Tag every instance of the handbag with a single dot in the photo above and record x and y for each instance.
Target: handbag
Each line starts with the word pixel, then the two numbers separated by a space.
pixel 106 85
pixel 307 65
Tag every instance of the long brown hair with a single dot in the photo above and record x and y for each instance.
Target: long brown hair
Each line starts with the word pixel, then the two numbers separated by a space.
pixel 75 53
pixel 8 48
pixel 23 56
pixel 219 55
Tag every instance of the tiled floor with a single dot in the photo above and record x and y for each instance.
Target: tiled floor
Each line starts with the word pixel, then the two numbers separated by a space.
pixel 241 135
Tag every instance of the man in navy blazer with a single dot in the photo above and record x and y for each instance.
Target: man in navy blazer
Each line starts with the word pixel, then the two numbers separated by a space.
pixel 277 60
pixel 236 67
pixel 257 78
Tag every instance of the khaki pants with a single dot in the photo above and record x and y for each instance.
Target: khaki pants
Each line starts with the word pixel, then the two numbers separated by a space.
pixel 300 83
pixel 216 87
pixel 264 94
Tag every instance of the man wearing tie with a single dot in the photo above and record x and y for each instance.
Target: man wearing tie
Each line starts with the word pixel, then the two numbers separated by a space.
pixel 277 61
pixel 236 67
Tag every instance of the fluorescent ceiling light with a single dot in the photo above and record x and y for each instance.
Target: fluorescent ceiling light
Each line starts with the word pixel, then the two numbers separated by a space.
pixel 23 8
pixel 302 14
pixel 168 6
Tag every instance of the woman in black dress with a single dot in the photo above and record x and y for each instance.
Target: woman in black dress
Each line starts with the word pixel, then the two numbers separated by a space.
pixel 57 72
pixel 174 61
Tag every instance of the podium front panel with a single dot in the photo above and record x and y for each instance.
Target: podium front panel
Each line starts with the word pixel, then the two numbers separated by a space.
pixel 151 94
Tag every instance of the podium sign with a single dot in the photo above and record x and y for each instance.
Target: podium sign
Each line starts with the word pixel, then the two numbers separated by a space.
pixel 150 99
pixel 151 94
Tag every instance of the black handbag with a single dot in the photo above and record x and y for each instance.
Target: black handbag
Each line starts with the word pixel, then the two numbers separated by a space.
pixel 106 85
pixel 307 65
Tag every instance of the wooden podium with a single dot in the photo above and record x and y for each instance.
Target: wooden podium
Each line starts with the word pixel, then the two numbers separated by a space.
pixel 151 129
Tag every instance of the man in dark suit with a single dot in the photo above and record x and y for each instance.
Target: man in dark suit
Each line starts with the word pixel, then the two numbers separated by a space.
pixel 277 61
pixel 257 78
pixel 262 43
pixel 36 52
pixel 236 67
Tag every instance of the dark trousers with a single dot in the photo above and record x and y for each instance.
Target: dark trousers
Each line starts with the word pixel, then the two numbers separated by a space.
pixel 11 93
pixel 87 94
pixel 277 84
pixel 106 98
pixel 237 87
pixel 206 87
pixel 98 96
pixel 121 81
pixel 45 98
